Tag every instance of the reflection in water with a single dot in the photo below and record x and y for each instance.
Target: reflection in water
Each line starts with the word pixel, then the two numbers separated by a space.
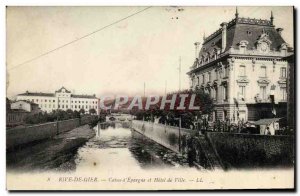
pixel 116 147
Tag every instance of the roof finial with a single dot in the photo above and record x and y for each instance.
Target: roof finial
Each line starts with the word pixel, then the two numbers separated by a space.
pixel 272 17
pixel 236 12
pixel 204 36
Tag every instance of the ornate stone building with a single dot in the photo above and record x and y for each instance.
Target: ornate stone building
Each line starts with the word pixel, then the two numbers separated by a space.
pixel 242 67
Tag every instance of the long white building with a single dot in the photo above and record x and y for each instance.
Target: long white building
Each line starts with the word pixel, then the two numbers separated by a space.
pixel 61 99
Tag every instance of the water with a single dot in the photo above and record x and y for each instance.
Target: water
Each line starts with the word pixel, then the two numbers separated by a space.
pixel 117 148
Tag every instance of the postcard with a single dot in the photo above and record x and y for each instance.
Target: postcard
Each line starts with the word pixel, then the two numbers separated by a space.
pixel 150 98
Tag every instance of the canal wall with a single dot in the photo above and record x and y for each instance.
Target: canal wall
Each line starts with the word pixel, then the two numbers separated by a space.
pixel 55 153
pixel 20 136
pixel 167 136
pixel 251 151
pixel 195 148
pixel 215 150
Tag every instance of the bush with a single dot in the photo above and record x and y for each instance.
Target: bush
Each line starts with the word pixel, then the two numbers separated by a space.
pixel 51 117
pixel 92 111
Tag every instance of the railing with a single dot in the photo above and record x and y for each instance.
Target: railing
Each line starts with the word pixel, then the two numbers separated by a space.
pixel 257 52
pixel 254 52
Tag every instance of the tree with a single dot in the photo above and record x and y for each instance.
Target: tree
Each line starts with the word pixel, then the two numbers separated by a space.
pixel 52 117
pixel 92 111
pixel 82 111
pixel 171 116
pixel 70 113
pixel 76 114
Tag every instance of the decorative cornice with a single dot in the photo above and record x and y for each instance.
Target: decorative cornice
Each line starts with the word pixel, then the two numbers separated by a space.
pixel 263 81
pixel 242 80
pixel 282 81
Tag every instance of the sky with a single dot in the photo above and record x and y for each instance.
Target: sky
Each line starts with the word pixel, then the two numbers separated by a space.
pixel 144 48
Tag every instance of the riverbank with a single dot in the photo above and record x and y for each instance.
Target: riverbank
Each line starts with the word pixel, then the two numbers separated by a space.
pixel 55 153
pixel 19 137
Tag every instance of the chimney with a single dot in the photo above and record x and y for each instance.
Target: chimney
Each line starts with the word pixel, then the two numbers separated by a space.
pixel 272 18
pixel 279 30
pixel 224 32
pixel 197 44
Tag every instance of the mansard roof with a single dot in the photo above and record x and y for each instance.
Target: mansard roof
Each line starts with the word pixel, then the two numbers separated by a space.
pixel 37 94
pixel 242 29
pixel 27 93
pixel 84 96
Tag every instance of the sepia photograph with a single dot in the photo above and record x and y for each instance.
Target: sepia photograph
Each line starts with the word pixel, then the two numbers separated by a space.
pixel 150 98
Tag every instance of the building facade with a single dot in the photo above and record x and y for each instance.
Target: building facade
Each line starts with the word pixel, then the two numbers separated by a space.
pixel 62 99
pixel 242 67
pixel 25 105
pixel 14 117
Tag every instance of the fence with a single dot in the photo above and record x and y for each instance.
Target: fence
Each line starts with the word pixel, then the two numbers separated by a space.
pixel 20 136
pixel 249 150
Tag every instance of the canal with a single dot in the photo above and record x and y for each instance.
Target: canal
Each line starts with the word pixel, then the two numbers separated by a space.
pixel 116 147
pixel 113 154
pixel 105 147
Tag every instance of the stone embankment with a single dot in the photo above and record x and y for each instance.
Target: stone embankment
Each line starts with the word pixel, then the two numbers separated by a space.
pixel 54 153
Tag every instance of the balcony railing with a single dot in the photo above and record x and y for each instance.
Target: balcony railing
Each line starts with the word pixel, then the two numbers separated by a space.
pixel 257 52
pixel 259 99
pixel 254 52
